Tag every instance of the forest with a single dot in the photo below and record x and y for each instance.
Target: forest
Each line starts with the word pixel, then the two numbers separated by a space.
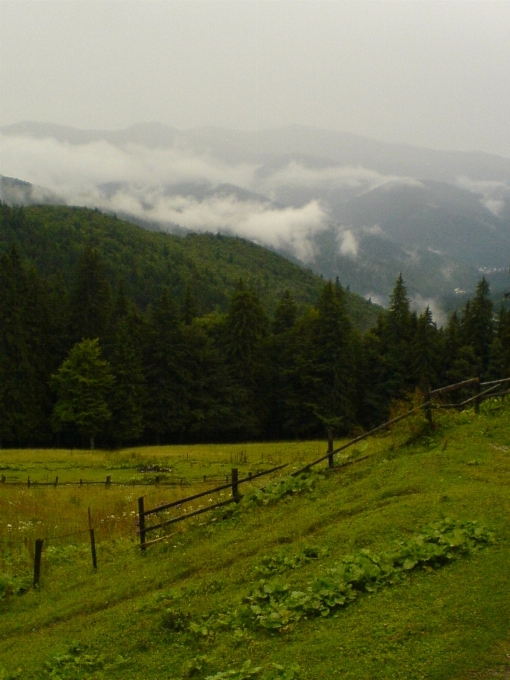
pixel 87 359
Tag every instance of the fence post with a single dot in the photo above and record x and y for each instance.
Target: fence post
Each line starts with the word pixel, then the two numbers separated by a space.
pixel 56 481
pixel 37 560
pixel 477 392
pixel 235 485
pixel 108 480
pixel 3 479
pixel 141 522
pixel 331 461
pixel 28 481
pixel 426 396
pixel 92 543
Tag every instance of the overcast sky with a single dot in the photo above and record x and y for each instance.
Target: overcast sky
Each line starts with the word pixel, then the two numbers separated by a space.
pixel 432 73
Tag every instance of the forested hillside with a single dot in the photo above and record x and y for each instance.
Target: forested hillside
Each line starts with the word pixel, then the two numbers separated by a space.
pixel 115 335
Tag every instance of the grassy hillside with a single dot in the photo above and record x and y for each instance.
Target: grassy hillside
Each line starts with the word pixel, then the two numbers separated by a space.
pixel 53 237
pixel 177 611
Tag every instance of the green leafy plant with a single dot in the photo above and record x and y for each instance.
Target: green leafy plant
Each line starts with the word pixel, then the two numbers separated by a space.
pixel 80 663
pixel 275 606
pixel 281 488
pixel 278 563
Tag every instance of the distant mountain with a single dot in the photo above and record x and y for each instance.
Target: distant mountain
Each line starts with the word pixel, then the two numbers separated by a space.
pixel 342 204
pixel 17 192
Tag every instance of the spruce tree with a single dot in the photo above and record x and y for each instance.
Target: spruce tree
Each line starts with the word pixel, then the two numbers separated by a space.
pixel 90 298
pixel 128 397
pixel 478 324
pixel 166 375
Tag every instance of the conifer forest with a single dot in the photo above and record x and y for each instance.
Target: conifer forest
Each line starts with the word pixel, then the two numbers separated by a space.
pixel 88 358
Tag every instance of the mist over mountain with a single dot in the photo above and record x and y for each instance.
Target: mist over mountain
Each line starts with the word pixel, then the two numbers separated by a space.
pixel 342 204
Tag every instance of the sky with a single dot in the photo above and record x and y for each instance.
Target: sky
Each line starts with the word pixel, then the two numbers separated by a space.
pixel 434 73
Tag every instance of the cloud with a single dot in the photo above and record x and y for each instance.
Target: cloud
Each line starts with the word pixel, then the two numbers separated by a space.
pixel 185 187
pixel 79 174
pixel 292 229
pixel 376 298
pixel 348 243
pixel 494 195
pixel 419 304
pixel 348 177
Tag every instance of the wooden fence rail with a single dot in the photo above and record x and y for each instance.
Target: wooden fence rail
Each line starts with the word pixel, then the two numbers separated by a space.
pixel 143 529
pixel 428 404
pixel 179 481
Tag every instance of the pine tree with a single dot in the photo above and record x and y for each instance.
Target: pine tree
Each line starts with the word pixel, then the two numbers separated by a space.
pixel 189 307
pixel 128 397
pixel 90 298
pixel 478 324
pixel 285 314
pixel 24 364
pixel 167 379
pixel 425 349
pixel 246 327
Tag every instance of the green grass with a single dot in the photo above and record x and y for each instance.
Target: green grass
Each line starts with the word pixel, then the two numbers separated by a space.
pixel 436 623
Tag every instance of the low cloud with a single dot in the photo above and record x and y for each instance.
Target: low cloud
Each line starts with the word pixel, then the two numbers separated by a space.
pixel 298 174
pixel 80 174
pixel 191 189
pixel 495 195
pixel 419 304
pixel 348 244
pixel 292 229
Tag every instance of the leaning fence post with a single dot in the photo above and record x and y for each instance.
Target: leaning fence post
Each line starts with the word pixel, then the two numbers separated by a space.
pixel 477 393
pixel 56 481
pixel 141 522
pixel 235 485
pixel 92 543
pixel 426 396
pixel 37 560
pixel 331 461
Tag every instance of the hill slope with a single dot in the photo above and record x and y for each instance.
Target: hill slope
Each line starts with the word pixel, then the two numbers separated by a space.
pixel 53 237
pixel 157 611
pixel 344 205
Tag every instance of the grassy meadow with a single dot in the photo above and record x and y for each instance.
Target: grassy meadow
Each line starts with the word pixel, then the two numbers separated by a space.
pixel 177 611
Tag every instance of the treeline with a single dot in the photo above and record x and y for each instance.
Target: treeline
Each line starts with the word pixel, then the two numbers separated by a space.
pixel 81 362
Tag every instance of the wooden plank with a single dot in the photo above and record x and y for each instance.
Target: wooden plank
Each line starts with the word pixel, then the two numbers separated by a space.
pixel 174 504
pixel 141 521
pixel 37 560
pixel 494 382
pixel 456 386
pixel 180 518
pixel 358 439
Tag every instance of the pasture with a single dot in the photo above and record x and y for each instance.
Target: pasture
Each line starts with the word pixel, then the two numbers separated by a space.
pixel 180 610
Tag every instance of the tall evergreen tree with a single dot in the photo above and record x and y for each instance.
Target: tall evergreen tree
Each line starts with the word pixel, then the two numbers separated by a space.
pixel 24 398
pixel 167 378
pixel 128 398
pixel 90 298
pixel 478 324
pixel 425 350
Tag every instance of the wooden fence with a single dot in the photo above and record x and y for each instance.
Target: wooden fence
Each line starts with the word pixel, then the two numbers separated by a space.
pixel 157 481
pixel 143 529
pixel 429 404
